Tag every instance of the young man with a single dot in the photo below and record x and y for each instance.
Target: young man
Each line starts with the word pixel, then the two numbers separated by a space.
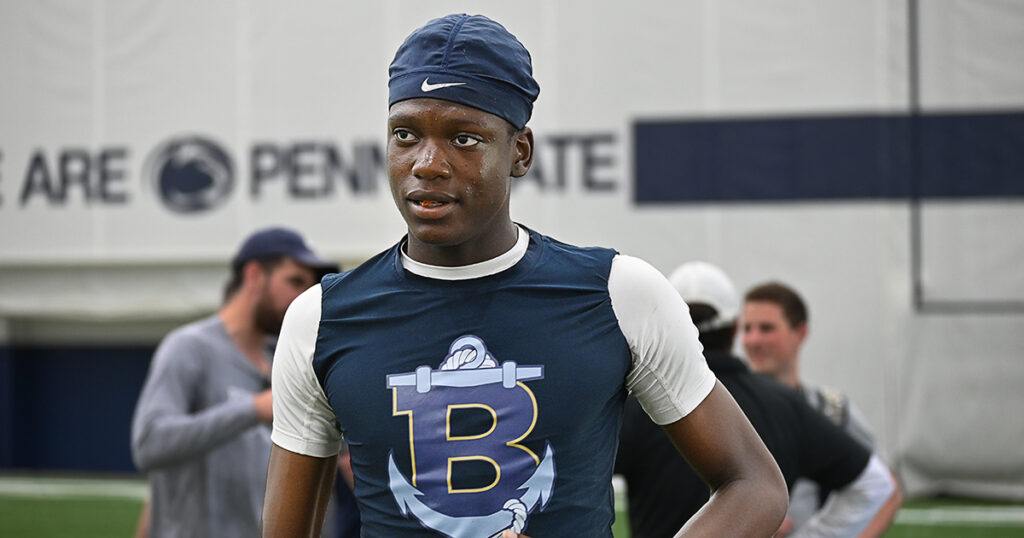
pixel 201 427
pixel 663 491
pixel 774 329
pixel 477 368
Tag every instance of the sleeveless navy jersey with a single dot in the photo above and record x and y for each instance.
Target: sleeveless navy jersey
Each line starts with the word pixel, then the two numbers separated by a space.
pixel 518 428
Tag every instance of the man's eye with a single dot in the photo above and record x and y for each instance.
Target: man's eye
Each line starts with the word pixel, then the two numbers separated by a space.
pixel 403 135
pixel 465 141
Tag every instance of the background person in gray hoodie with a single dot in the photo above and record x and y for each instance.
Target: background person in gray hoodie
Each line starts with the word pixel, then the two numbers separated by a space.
pixel 201 430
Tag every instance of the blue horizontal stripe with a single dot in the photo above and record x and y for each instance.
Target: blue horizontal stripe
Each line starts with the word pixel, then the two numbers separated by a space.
pixel 850 157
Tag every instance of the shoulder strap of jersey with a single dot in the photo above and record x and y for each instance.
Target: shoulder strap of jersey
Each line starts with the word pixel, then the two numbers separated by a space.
pixel 835 405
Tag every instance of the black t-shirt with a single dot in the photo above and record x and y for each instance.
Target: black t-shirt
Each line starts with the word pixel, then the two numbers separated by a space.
pixel 664 491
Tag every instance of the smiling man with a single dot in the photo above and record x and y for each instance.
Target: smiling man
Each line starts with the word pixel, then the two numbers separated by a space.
pixel 477 368
pixel 774 329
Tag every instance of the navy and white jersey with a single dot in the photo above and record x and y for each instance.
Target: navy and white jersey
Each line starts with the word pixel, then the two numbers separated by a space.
pixel 484 397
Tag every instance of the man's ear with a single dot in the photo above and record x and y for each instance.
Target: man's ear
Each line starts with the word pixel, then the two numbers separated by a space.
pixel 801 332
pixel 522 157
pixel 253 274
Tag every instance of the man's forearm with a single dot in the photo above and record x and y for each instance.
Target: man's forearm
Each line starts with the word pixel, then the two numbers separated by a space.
pixel 885 516
pixel 170 439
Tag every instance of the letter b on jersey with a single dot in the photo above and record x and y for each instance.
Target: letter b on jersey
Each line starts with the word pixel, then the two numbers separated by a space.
pixel 465 453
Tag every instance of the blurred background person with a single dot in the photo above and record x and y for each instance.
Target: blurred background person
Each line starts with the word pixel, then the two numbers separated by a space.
pixel 774 328
pixel 663 491
pixel 347 522
pixel 201 426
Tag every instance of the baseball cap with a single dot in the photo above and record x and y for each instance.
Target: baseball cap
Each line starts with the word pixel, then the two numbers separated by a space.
pixel 467 59
pixel 703 283
pixel 270 242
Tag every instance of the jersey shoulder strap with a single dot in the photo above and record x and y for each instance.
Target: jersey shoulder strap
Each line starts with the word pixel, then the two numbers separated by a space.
pixel 834 405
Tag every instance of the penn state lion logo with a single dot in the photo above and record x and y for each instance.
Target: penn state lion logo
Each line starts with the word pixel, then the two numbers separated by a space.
pixel 470 476
pixel 191 174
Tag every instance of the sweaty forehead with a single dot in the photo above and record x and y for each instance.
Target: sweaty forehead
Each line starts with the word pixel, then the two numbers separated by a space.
pixel 426 110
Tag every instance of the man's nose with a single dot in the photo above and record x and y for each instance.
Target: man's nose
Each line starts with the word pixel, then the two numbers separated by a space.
pixel 431 162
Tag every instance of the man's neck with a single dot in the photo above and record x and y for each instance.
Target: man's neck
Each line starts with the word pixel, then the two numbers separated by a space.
pixel 789 377
pixel 485 268
pixel 240 324
pixel 478 250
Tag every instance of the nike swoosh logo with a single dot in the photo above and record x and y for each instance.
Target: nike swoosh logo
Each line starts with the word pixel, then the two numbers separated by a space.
pixel 428 87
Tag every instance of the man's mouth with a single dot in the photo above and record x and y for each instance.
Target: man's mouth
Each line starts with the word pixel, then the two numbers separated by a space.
pixel 430 205
pixel 429 199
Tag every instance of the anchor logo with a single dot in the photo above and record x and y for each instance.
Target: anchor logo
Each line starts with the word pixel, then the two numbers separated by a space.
pixel 470 474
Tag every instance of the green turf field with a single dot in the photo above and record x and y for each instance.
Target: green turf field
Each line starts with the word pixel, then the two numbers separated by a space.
pixel 67 518
pixel 937 519
pixel 69 508
pixel 89 508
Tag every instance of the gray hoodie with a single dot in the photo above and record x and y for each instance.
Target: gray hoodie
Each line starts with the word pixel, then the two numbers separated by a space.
pixel 196 435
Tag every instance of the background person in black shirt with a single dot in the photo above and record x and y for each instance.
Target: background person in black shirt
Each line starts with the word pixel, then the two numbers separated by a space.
pixel 664 492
